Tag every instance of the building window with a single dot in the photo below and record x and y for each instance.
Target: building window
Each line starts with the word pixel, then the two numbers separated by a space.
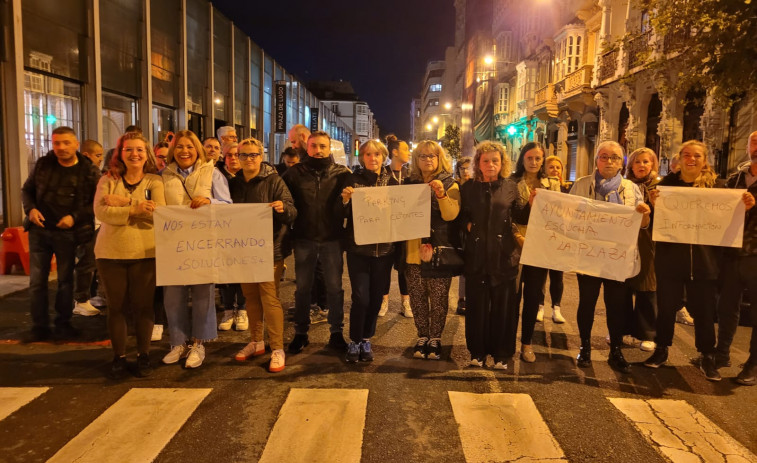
pixel 568 56
pixel 504 46
pixel 435 88
pixel 503 99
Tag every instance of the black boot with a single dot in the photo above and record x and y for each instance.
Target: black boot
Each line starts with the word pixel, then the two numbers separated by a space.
pixel 119 368
pixel 708 368
pixel 584 355
pixel 617 361
pixel 658 357
pixel 748 376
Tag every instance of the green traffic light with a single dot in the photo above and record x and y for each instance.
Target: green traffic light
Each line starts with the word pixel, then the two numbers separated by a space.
pixel 511 130
pixel 51 119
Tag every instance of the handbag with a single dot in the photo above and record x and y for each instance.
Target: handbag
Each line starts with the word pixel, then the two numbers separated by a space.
pixel 445 259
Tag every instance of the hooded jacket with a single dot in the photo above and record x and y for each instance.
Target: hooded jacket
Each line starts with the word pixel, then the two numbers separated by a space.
pixel 267 187
pixel 363 178
pixel 316 187
pixel 749 246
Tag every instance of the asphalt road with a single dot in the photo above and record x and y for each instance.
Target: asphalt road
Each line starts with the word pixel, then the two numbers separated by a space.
pixel 409 414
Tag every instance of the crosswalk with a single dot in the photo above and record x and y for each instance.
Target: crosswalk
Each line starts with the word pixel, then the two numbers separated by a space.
pixel 329 424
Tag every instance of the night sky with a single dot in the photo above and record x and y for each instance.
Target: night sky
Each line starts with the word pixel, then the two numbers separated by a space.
pixel 381 46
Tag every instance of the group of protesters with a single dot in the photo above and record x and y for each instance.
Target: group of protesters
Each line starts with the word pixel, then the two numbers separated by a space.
pixel 478 226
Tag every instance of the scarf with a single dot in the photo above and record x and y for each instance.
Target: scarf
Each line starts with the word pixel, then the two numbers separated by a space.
pixel 317 163
pixel 607 189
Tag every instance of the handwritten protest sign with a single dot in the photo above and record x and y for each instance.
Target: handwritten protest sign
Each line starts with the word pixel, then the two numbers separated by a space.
pixel 712 216
pixel 575 234
pixel 391 213
pixel 219 243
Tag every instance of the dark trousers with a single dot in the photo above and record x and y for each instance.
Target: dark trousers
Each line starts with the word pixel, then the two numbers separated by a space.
pixel 588 293
pixel 555 288
pixel 129 284
pixel 399 256
pixel 84 270
pixel 491 318
pixel 640 314
pixel 306 254
pixel 532 281
pixel 232 297
pixel 735 276
pixel 368 278
pixel 158 307
pixel 318 294
pixel 701 296
pixel 43 244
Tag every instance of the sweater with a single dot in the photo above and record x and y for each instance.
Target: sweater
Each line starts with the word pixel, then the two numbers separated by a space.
pixel 124 236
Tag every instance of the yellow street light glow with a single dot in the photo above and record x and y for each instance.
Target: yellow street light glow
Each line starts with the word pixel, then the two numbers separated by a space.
pixel 447 105
pixel 488 59
pixel 428 127
pixel 435 119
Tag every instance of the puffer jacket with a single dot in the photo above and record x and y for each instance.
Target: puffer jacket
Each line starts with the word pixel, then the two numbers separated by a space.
pixel 316 191
pixel 489 208
pixel 687 261
pixel 362 178
pixel 267 187
pixel 749 246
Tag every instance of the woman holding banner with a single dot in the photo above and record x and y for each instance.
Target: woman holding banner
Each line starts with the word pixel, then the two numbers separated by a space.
pixel 641 300
pixel 126 197
pixel 530 176
pixel 606 184
pixel 192 180
pixel 489 202
pixel 692 268
pixel 429 282
pixel 369 265
pixel 258 182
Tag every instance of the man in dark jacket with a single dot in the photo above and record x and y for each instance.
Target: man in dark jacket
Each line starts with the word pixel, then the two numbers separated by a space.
pixel 739 271
pixel 316 185
pixel 57 199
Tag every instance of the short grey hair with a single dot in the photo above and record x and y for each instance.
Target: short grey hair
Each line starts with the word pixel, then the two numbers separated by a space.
pixel 225 130
pixel 609 144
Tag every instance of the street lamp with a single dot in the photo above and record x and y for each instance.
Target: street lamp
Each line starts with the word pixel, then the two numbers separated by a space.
pixel 435 119
pixel 488 59
pixel 447 106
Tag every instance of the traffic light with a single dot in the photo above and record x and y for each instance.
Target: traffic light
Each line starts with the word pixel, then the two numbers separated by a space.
pixel 357 147
pixel 511 130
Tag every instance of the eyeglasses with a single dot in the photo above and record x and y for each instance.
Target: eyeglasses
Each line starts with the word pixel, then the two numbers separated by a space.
pixel 610 158
pixel 251 156
pixel 426 157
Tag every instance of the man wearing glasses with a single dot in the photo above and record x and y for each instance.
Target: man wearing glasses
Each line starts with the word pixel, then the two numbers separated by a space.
pixel 606 184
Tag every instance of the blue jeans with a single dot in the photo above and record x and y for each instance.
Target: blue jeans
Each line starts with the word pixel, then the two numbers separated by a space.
pixel 195 322
pixel 43 244
pixel 306 254
pixel 368 279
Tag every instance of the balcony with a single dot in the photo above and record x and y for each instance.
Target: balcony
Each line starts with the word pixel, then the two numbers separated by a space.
pixel 578 80
pixel 608 65
pixel 545 102
pixel 675 39
pixel 638 49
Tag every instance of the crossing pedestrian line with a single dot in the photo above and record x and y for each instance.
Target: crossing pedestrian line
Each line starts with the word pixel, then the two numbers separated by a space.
pixel 148 418
pixel 681 433
pixel 13 398
pixel 503 427
pixel 328 425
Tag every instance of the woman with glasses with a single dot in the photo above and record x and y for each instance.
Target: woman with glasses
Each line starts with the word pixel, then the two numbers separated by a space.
pixel 530 176
pixel 192 180
pixel 258 182
pixel 692 268
pixel 606 184
pixel 429 287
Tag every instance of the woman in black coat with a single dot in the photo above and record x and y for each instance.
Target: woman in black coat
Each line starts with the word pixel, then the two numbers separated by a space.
pixel 491 257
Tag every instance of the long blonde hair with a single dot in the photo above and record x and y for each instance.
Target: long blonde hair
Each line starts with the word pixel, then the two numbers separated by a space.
pixel 429 147
pixel 707 177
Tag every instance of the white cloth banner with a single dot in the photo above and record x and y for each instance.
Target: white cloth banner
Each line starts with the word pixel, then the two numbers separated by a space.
pixel 712 216
pixel 218 243
pixel 575 234
pixel 391 213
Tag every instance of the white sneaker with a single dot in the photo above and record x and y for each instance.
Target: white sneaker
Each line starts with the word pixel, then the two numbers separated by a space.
pixel 252 349
pixel 384 307
pixel 226 321
pixel 196 356
pixel 476 362
pixel 157 333
pixel 540 314
pixel 647 346
pixel 500 366
pixel 406 310
pixel 86 309
pixel 556 315
pixel 241 322
pixel 277 361
pixel 177 353
pixel 683 317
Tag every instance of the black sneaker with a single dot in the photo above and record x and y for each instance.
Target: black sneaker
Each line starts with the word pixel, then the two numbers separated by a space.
pixel 66 331
pixel 353 353
pixel 144 368
pixel 584 355
pixel 617 361
pixel 658 358
pixel 434 349
pixel 722 360
pixel 709 369
pixel 118 369
pixel 39 334
pixel 748 376
pixel 419 351
pixel 337 342
pixel 299 342
pixel 366 351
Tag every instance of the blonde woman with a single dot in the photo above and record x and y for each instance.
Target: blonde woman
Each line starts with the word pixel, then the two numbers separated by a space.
pixel 428 286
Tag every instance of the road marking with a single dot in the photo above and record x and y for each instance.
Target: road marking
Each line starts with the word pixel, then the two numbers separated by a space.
pixel 318 425
pixel 134 429
pixel 503 427
pixel 13 398
pixel 680 433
